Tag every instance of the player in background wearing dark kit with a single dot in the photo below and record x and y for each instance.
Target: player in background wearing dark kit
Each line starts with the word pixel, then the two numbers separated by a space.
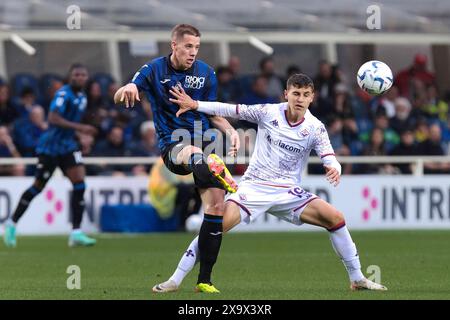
pixel 58 146
pixel 180 155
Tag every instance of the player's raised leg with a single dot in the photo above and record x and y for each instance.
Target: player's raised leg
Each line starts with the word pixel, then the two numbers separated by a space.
pixel 231 218
pixel 320 213
pixel 44 171
pixel 9 235
pixel 208 178
pixel 76 175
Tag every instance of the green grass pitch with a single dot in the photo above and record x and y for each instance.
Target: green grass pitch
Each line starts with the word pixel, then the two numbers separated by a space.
pixel 267 266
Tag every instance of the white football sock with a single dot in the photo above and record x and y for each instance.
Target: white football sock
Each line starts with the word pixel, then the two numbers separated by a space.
pixel 187 262
pixel 345 248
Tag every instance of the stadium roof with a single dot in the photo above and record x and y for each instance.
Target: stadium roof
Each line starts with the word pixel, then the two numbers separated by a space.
pixel 397 16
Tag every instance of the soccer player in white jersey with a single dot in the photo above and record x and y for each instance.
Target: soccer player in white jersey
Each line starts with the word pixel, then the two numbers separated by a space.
pixel 287 132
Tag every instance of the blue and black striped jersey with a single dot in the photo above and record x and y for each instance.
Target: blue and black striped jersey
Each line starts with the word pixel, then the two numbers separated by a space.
pixel 57 140
pixel 156 79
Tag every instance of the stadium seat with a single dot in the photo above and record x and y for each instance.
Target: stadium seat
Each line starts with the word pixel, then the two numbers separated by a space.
pixel 25 80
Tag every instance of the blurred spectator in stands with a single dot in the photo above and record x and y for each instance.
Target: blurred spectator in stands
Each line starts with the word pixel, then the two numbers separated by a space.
pixel 406 147
pixel 324 84
pixel 257 95
pixel 360 101
pixel 337 74
pixel 113 146
pixel 235 66
pixel 291 70
pixel 433 147
pixel 94 93
pixel 341 148
pixel 112 89
pixel 376 147
pixel 445 129
pixel 385 102
pixel 27 131
pixel 7 111
pixel 54 85
pixel 402 119
pixel 274 82
pixel 404 80
pixel 100 119
pixel 434 107
pixel 26 102
pixel 146 147
pixel 421 132
pixel 86 142
pixel 341 102
pixel 390 137
pixel 9 150
pixel 227 90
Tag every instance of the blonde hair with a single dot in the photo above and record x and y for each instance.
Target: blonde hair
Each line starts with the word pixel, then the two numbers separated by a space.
pixel 181 29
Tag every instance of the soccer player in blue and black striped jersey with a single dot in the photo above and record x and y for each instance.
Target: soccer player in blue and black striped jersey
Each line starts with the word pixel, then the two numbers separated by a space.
pixel 177 136
pixel 58 146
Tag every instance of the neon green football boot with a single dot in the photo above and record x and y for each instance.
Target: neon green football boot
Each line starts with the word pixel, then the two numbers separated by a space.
pixel 206 288
pixel 220 171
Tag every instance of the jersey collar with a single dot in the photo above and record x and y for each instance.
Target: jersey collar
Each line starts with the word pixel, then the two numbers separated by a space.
pixel 293 124
pixel 172 69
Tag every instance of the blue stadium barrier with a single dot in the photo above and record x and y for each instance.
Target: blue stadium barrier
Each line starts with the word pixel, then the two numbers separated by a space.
pixel 134 218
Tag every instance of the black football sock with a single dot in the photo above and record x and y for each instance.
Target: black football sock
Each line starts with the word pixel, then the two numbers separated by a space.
pixel 209 241
pixel 77 204
pixel 24 202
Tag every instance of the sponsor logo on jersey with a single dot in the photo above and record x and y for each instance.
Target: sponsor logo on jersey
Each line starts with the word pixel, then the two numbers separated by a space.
pixel 285 146
pixel 243 197
pixel 194 82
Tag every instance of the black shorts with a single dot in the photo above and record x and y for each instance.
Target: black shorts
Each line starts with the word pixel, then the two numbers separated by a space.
pixel 169 157
pixel 47 164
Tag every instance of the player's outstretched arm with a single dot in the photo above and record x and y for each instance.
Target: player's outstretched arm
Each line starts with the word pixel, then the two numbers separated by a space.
pixel 186 103
pixel 55 119
pixel 127 95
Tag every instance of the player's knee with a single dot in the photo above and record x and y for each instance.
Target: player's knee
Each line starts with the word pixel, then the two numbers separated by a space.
pixel 216 208
pixel 335 220
pixel 184 155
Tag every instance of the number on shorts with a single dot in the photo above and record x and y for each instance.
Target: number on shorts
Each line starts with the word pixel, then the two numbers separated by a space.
pixel 299 192
pixel 78 157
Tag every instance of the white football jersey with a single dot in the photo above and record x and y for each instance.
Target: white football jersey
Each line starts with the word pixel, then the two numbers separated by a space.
pixel 282 148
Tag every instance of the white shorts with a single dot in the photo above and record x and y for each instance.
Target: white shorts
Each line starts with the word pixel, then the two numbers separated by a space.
pixel 284 202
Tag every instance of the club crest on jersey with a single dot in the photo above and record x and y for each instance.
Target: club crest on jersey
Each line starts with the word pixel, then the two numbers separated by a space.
pixel 274 123
pixel 303 133
pixel 194 82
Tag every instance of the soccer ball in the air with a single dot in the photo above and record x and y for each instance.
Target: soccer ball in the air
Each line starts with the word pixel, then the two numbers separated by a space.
pixel 375 77
pixel 194 222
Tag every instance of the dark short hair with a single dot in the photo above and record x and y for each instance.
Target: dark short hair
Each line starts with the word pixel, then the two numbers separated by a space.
pixel 300 80
pixel 264 60
pixel 76 65
pixel 181 29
